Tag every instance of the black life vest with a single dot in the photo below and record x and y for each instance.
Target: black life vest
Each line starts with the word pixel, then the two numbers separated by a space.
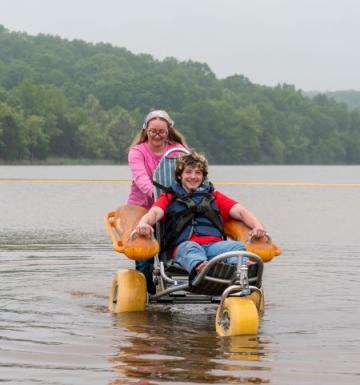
pixel 190 213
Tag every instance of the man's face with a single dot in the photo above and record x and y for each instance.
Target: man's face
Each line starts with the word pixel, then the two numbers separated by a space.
pixel 191 178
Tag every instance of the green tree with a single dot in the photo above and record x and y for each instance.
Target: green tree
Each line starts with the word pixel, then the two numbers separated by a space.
pixel 120 130
pixel 36 138
pixel 92 131
pixel 12 140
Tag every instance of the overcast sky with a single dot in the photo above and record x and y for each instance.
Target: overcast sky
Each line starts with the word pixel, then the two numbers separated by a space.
pixel 312 44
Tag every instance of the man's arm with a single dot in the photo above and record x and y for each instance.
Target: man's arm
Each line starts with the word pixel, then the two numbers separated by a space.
pixel 243 214
pixel 145 224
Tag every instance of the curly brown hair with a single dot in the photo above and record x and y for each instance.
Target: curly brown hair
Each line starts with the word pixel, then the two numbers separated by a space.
pixel 193 160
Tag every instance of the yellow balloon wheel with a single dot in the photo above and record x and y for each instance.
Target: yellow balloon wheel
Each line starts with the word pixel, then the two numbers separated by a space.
pixel 239 317
pixel 128 291
pixel 259 300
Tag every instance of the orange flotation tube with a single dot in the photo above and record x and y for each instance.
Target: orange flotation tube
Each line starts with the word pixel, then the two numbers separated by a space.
pixel 264 247
pixel 121 224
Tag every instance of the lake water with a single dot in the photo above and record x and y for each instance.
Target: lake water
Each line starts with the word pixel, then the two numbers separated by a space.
pixel 56 267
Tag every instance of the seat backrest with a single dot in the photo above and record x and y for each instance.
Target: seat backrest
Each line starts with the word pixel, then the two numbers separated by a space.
pixel 165 171
pixel 164 175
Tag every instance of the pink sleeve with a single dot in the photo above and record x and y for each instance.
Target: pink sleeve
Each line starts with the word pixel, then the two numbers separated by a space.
pixel 138 170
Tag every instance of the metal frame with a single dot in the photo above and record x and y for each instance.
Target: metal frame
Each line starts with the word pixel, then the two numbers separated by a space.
pixel 176 288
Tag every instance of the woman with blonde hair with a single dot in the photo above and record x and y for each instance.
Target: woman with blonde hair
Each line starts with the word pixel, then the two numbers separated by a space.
pixel 157 136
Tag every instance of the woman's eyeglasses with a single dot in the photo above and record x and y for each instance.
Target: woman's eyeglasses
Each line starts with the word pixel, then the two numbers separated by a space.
pixel 154 132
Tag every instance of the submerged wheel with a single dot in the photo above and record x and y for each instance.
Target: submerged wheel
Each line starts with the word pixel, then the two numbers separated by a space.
pixel 239 317
pixel 259 301
pixel 128 291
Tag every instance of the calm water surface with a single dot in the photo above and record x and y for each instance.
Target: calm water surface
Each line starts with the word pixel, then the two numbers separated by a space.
pixel 56 267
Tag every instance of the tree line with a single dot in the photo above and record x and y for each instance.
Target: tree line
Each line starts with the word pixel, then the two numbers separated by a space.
pixel 73 99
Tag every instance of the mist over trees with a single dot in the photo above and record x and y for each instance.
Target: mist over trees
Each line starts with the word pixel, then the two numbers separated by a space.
pixel 72 99
pixel 349 97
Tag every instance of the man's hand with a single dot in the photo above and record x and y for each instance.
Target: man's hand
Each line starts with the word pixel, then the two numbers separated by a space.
pixel 257 232
pixel 144 229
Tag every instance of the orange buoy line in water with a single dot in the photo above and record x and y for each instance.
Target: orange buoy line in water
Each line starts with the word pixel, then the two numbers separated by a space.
pixel 219 183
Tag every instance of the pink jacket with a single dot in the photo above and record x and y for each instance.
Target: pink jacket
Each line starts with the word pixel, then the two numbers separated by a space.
pixel 143 162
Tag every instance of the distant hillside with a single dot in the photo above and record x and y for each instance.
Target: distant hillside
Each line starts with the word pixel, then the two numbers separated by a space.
pixel 61 98
pixel 350 97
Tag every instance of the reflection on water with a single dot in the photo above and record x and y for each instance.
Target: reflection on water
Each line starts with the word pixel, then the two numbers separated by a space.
pixel 56 268
pixel 185 349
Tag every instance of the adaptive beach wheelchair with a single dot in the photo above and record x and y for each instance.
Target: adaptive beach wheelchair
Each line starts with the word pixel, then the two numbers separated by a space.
pixel 237 288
